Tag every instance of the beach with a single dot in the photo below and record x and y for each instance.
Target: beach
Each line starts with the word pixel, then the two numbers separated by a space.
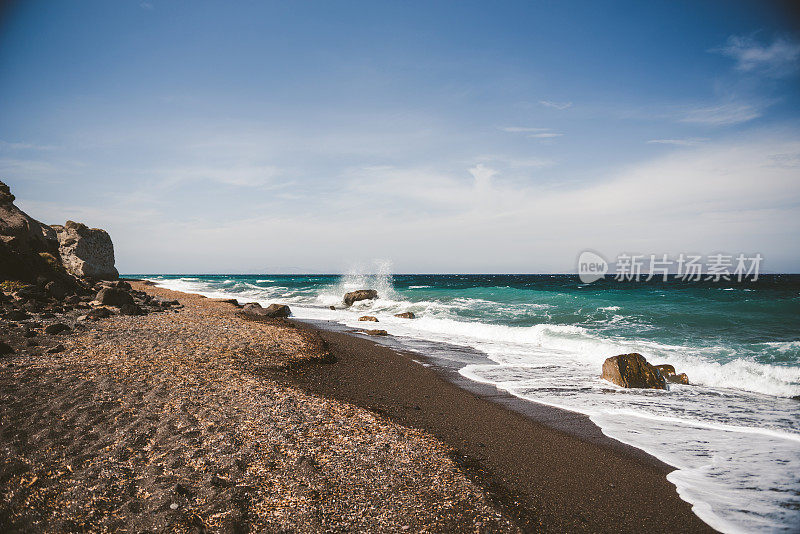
pixel 196 419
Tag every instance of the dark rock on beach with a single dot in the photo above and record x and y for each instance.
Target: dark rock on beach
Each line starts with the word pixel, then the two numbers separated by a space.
pixel 98 313
pixel 405 315
pixel 111 296
pixel 361 294
pixel 368 318
pixel 56 328
pixel 131 309
pixel 271 311
pixel 632 371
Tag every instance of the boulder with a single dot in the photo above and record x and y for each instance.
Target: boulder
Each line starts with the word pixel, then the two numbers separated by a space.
pixel 678 379
pixel 56 328
pixel 55 350
pixel 361 294
pixel 368 318
pixel 277 310
pixel 5 348
pixel 376 332
pixel 17 315
pixel 131 308
pixel 56 290
pixel 665 369
pixel 632 371
pixel 273 310
pixel 669 374
pixel 111 296
pixel 86 252
pixel 405 315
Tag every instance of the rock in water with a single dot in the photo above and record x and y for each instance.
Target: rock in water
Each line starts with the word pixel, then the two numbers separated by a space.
pixel 405 315
pixel 678 379
pixel 86 252
pixel 368 318
pixel 376 332
pixel 666 369
pixel 632 371
pixel 668 372
pixel 111 296
pixel 361 294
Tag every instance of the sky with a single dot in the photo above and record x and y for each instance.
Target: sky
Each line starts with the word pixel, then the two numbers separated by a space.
pixel 488 137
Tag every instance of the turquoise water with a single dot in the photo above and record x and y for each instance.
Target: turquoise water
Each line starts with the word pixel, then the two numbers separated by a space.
pixel 733 435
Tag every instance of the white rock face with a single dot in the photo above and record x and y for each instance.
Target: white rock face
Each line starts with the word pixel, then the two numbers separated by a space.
pixel 86 252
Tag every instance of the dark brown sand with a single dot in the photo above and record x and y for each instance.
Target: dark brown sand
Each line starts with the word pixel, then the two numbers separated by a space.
pixel 552 470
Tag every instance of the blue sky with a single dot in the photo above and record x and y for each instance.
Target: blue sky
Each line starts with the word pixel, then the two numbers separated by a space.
pixel 442 136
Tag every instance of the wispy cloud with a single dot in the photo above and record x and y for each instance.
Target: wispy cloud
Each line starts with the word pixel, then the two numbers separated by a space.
pixel 723 114
pixel 6 145
pixel 236 175
pixel 522 129
pixel 146 5
pixel 532 133
pixel 555 105
pixel 778 58
pixel 692 141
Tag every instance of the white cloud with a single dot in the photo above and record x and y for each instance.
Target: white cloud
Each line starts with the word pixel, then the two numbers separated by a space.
pixel 545 135
pixel 556 105
pixel 723 114
pixel 779 58
pixel 737 197
pixel 691 141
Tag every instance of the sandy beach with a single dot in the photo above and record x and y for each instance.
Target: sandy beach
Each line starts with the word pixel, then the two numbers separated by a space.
pixel 195 419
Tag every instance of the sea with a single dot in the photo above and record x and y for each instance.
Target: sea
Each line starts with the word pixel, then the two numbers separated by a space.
pixel 733 434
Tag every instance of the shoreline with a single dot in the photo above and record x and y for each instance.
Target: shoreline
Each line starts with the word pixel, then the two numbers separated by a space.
pixel 630 493
pixel 551 469
pixel 193 418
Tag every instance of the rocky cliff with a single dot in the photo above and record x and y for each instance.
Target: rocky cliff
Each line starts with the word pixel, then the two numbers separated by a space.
pixel 28 248
pixel 86 252
pixel 36 253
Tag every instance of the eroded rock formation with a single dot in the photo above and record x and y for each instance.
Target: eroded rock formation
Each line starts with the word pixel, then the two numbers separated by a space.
pixel 86 252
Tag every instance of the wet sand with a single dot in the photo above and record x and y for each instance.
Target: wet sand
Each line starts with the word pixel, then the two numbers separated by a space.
pixel 552 470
